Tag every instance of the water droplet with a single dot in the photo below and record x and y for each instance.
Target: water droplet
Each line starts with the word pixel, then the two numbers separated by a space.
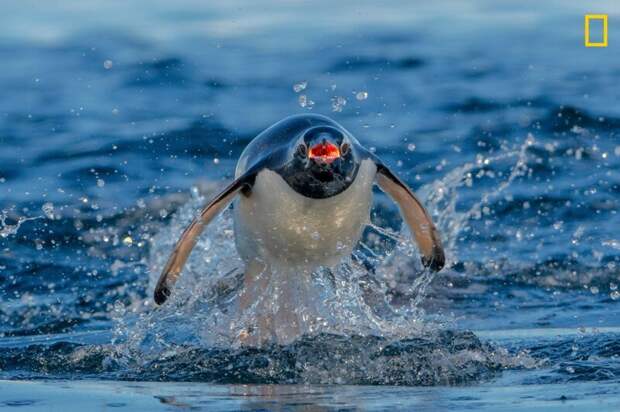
pixel 127 241
pixel 530 140
pixel 305 102
pixel 216 161
pixel 411 147
pixel 48 209
pixel 338 103
pixel 594 290
pixel 297 87
pixel 519 235
pixel 100 182
pixel 579 153
pixel 361 95
pixel 108 64
pixel 615 295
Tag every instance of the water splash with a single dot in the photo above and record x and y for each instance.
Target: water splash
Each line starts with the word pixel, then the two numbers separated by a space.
pixel 338 103
pixel 360 322
pixel 376 293
pixel 442 196
pixel 7 229
pixel 203 309
pixel 299 87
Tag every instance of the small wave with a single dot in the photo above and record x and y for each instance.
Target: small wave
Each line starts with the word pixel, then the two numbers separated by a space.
pixel 362 63
pixel 160 72
pixel 564 119
pixel 198 139
pixel 434 358
pixel 586 357
pixel 475 105
pixel 440 358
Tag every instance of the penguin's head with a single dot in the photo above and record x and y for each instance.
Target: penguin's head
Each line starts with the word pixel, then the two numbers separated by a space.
pixel 322 162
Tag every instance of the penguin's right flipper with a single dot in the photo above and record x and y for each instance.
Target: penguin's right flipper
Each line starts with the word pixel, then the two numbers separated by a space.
pixel 188 239
pixel 417 218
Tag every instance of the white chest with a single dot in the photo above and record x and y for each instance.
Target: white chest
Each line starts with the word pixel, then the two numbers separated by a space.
pixel 275 222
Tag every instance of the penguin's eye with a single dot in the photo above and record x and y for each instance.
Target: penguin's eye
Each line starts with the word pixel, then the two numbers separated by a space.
pixel 344 149
pixel 302 150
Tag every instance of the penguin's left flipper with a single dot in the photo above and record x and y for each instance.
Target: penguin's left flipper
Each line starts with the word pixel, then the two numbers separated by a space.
pixel 189 238
pixel 418 219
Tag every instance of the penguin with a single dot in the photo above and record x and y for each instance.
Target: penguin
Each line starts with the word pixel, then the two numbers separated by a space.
pixel 302 195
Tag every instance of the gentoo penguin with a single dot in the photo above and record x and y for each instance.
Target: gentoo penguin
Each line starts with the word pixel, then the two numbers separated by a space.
pixel 303 193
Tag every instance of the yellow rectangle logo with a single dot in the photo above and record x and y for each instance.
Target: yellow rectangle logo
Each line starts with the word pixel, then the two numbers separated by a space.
pixel 589 17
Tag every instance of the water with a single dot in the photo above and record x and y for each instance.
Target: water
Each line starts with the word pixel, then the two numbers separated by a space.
pixel 117 121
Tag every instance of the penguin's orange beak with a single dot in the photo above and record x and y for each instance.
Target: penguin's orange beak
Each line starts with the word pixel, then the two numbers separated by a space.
pixel 325 152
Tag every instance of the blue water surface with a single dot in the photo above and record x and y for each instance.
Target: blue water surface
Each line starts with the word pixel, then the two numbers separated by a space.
pixel 115 118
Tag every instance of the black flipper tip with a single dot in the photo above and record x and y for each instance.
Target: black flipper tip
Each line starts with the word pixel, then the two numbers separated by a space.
pixel 162 293
pixel 437 261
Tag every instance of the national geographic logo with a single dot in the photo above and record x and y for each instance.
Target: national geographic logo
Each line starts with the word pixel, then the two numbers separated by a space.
pixel 596 30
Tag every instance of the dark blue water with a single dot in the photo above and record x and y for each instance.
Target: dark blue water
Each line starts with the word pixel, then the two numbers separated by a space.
pixel 117 121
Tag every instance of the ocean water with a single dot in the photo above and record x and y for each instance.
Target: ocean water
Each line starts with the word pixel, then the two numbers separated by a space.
pixel 119 120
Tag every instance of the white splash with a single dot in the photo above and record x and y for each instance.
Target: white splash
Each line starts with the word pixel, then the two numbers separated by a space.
pixel 348 299
pixel 7 229
pixel 301 86
pixel 442 196
pixel 338 103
